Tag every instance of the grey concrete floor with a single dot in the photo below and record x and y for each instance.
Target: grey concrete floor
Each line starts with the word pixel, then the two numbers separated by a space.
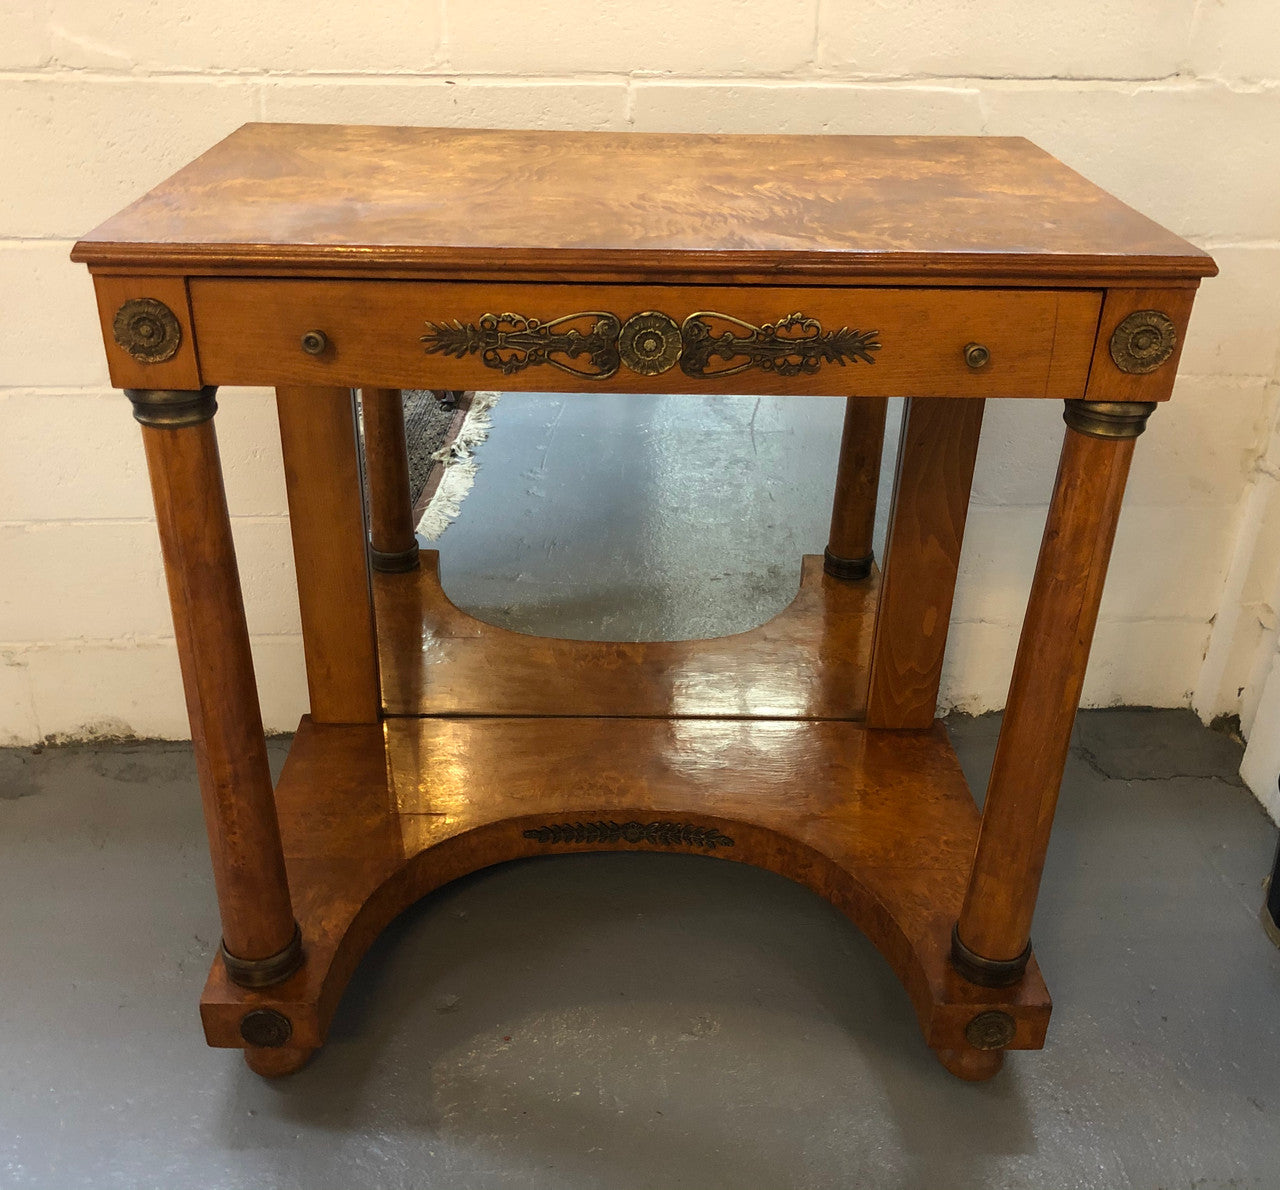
pixel 632 1020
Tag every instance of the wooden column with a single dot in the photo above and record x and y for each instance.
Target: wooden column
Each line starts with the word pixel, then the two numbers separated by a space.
pixel 260 940
pixel 850 548
pixel 393 545
pixel 326 520
pixel 991 942
pixel 926 530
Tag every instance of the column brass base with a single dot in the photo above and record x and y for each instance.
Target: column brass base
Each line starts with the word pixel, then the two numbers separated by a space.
pixel 265 973
pixel 987 973
pixel 399 562
pixel 847 568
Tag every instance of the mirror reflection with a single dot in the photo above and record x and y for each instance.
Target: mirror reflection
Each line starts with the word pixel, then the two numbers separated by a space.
pixel 553 554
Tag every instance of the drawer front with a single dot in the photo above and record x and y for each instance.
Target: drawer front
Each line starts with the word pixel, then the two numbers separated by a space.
pixel 573 338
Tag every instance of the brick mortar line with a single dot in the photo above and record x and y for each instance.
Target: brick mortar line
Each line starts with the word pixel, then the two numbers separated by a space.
pixel 251 518
pixel 132 640
pixel 823 76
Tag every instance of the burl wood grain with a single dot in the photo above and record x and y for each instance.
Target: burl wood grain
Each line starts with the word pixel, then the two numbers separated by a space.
pixel 808 662
pixel 629 206
pixel 377 817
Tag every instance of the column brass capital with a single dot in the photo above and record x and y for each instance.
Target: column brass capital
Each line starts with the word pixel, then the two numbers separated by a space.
pixel 264 973
pixel 173 408
pixel 1108 419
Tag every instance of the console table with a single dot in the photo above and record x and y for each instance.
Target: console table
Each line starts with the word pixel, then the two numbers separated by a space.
pixel 324 259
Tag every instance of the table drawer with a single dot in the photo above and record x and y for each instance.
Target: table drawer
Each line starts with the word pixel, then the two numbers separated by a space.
pixel 574 338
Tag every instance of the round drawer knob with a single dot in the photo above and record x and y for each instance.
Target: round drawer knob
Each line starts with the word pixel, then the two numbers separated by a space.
pixel 976 356
pixel 314 342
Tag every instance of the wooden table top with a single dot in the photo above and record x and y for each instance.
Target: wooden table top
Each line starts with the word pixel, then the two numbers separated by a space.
pixel 314 199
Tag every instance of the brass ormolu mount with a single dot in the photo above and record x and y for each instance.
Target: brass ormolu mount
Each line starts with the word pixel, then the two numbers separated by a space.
pixel 706 344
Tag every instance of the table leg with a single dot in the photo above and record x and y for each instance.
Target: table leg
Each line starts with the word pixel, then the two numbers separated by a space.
pixel 991 941
pixel 850 548
pixel 260 940
pixel 922 559
pixel 393 545
pixel 327 524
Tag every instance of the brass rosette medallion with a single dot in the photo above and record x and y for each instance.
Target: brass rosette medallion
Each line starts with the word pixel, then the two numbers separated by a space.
pixel 147 330
pixel 266 1028
pixel 990 1030
pixel 1143 341
pixel 650 343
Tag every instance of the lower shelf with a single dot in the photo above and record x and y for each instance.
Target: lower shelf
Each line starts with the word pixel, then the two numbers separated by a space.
pixel 810 661
pixel 881 824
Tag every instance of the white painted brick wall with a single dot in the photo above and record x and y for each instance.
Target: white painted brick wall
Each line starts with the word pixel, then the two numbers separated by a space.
pixel 1006 38
pixel 1172 104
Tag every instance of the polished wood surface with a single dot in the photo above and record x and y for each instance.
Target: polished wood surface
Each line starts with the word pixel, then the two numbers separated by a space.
pixel 376 817
pixel 808 662
pixel 483 745
pixel 222 697
pixel 1044 693
pixel 326 521
pixel 386 469
pixel 624 206
pixel 853 508
pixel 275 1063
pixel 250 333
pixel 936 455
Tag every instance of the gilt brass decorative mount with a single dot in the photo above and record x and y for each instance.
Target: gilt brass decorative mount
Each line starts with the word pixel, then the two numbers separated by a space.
pixel 264 973
pixel 147 329
pixel 706 344
pixel 173 409
pixel 650 343
pixel 1108 419
pixel 660 834
pixel 1143 341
